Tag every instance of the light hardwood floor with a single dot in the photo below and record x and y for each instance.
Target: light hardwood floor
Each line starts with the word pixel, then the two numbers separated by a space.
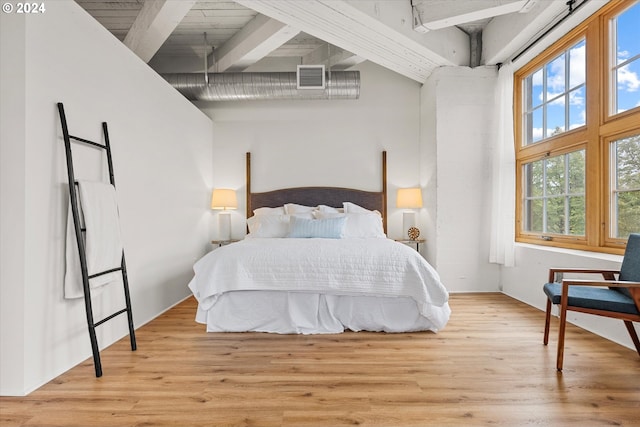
pixel 487 367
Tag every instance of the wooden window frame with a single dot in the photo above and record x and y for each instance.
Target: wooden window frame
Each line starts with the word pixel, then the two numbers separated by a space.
pixel 594 137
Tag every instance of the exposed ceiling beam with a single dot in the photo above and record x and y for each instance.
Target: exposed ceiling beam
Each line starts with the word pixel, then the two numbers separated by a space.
pixel 153 25
pixel 332 57
pixel 253 42
pixel 347 25
pixel 437 14
pixel 451 43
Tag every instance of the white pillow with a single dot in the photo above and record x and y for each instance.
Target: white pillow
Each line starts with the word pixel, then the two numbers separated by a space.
pixel 359 225
pixel 300 211
pixel 364 225
pixel 269 211
pixel 268 226
pixel 325 208
pixel 353 208
pixel 292 208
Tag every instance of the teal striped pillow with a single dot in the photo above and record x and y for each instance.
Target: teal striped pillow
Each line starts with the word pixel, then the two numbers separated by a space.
pixel 329 228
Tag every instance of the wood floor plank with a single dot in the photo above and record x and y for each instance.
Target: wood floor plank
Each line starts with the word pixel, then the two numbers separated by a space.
pixel 487 367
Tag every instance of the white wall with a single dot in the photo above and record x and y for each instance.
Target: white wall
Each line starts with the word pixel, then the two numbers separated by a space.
pixel 12 203
pixel 328 142
pixel 457 132
pixel 162 159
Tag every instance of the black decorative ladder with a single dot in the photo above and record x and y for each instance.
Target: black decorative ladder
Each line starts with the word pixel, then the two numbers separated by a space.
pixel 81 246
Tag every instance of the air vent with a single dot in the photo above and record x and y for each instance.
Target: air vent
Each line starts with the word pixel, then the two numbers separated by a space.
pixel 311 77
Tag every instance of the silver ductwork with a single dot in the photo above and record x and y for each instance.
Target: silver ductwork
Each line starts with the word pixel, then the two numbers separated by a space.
pixel 259 86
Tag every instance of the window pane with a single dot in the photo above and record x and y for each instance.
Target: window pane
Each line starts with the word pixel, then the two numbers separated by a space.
pixel 628 86
pixel 576 172
pixel 533 212
pixel 627 158
pixel 533 90
pixel 625 187
pixel 536 88
pixel 626 23
pixel 555 184
pixel 577 112
pixel 555 77
pixel 625 58
pixel 628 214
pixel 533 126
pixel 577 65
pixel 576 216
pixel 535 178
pixel 555 215
pixel 555 118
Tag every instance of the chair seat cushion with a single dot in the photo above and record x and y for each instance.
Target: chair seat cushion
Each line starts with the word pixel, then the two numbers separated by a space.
pixel 592 297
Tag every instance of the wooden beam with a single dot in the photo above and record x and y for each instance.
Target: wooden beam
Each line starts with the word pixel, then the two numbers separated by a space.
pixel 253 42
pixel 153 25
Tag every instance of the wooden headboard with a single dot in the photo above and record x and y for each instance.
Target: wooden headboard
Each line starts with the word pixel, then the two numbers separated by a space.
pixel 313 196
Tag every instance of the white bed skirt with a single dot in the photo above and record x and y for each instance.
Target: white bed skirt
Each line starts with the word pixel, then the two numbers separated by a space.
pixel 312 313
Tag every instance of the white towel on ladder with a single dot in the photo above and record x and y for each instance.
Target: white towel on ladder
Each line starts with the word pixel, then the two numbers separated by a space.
pixel 103 243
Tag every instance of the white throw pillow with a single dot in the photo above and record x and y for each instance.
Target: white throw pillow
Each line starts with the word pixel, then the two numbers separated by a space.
pixel 353 208
pixel 300 211
pixel 268 226
pixel 358 225
pixel 325 208
pixel 269 211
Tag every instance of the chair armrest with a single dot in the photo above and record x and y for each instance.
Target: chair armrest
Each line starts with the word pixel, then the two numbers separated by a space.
pixel 607 283
pixel 606 273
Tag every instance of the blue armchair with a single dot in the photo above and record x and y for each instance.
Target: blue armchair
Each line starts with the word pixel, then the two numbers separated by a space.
pixel 616 298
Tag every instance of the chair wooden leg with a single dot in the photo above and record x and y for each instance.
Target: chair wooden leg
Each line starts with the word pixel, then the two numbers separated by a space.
pixel 633 334
pixel 563 326
pixel 547 323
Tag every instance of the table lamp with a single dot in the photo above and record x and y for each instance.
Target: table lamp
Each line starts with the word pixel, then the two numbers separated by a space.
pixel 224 198
pixel 409 198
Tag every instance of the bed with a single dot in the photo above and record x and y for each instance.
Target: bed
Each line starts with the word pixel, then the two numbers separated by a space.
pixel 317 260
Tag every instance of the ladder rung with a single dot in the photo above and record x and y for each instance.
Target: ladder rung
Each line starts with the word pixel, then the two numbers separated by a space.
pixel 105 272
pixel 124 310
pixel 86 141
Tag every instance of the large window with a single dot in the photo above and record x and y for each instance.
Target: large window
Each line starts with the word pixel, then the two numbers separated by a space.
pixel 578 146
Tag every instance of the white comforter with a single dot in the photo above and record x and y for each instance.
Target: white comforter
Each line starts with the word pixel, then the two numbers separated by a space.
pixel 372 267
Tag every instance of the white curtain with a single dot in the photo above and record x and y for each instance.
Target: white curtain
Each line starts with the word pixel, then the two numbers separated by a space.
pixel 504 170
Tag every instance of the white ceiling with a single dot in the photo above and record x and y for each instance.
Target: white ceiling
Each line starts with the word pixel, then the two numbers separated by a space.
pixel 411 37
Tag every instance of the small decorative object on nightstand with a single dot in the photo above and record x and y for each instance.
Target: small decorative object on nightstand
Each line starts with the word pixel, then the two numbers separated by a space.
pixel 414 233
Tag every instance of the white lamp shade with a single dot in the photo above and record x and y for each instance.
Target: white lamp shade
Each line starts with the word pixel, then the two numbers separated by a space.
pixel 224 198
pixel 409 198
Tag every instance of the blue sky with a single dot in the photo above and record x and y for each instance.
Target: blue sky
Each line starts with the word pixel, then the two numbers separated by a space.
pixel 629 48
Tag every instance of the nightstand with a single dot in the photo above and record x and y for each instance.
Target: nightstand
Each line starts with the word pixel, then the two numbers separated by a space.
pixel 221 243
pixel 412 242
